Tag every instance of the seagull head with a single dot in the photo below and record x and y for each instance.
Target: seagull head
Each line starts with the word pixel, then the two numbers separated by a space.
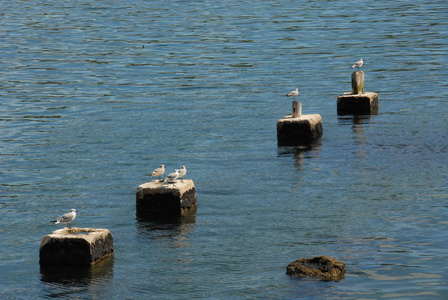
pixel 73 210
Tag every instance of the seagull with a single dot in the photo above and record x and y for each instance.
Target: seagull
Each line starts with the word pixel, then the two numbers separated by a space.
pixel 158 172
pixel 66 218
pixel 172 176
pixel 182 172
pixel 294 93
pixel 358 64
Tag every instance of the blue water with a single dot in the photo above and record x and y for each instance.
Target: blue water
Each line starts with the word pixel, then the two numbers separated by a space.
pixel 96 94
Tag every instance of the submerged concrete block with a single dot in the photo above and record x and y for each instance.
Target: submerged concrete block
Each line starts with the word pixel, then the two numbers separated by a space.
pixel 358 104
pixel 166 199
pixel 63 274
pixel 298 131
pixel 76 246
pixel 322 267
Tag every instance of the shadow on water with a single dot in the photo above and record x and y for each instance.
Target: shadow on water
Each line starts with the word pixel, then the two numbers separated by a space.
pixel 64 278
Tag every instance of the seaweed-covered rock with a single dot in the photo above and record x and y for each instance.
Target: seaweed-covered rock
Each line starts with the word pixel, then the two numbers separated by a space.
pixel 322 267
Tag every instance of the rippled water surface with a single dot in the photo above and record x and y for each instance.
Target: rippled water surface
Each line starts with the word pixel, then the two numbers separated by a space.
pixel 96 94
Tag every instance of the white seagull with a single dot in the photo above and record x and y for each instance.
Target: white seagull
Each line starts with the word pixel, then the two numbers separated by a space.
pixel 66 218
pixel 172 176
pixel 182 172
pixel 158 172
pixel 294 93
pixel 358 64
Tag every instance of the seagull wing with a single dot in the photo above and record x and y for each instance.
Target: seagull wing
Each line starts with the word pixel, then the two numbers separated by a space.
pixel 65 218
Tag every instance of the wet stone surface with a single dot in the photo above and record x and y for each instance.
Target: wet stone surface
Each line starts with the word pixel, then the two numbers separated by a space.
pixel 322 267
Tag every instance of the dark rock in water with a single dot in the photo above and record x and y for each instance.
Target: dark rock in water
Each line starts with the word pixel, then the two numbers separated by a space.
pixel 322 267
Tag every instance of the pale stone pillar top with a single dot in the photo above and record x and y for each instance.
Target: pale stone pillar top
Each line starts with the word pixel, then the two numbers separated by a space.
pixel 181 185
pixel 312 118
pixel 363 94
pixel 76 233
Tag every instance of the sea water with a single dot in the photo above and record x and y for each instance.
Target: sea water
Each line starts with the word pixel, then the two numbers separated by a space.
pixel 96 94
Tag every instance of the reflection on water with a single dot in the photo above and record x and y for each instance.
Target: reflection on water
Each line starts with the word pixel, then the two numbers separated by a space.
pixel 302 152
pixel 359 136
pixel 160 228
pixel 63 280
pixel 160 222
pixel 355 119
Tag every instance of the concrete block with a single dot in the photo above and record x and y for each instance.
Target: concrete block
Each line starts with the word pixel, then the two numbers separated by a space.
pixel 298 131
pixel 166 199
pixel 358 104
pixel 76 246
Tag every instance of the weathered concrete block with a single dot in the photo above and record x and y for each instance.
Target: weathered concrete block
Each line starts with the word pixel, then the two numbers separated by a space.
pixel 358 104
pixel 297 131
pixel 166 199
pixel 76 246
pixel 322 267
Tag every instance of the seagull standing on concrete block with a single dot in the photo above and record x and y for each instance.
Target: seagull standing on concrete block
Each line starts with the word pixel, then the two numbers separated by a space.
pixel 358 64
pixel 66 218
pixel 294 93
pixel 158 172
pixel 172 176
pixel 182 172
